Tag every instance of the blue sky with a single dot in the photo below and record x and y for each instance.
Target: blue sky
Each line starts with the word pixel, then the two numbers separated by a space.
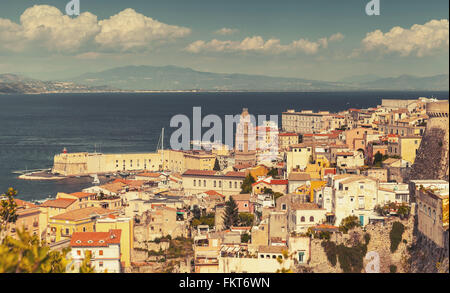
pixel 315 39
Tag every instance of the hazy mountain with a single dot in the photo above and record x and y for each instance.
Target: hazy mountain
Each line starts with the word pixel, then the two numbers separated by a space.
pixel 172 78
pixel 409 82
pixel 16 84
pixel 179 78
pixel 360 78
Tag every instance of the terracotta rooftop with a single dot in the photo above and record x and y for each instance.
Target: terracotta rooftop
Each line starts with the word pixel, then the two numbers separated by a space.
pixel 299 176
pixel 235 174
pixel 80 214
pixel 192 172
pixel 58 203
pixel 344 154
pixel 241 197
pixel 271 249
pixel 95 239
pixel 26 204
pixel 149 174
pixel 279 182
pixel 305 206
pixel 82 194
pixel 213 192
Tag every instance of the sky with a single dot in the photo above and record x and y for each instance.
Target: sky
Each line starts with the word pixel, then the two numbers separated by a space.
pixel 313 39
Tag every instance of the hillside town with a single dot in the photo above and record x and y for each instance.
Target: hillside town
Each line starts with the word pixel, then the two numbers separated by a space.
pixel 316 194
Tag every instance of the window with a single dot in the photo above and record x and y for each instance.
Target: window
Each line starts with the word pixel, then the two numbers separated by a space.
pixel 78 252
pixel 235 184
pixel 100 252
pixel 283 206
pixel 100 264
pixel 84 229
pixel 302 219
pixel 195 182
pixel 311 219
pixel 301 257
pixel 204 183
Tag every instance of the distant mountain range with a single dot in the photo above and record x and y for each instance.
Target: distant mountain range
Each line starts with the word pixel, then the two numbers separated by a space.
pixel 179 78
pixel 173 78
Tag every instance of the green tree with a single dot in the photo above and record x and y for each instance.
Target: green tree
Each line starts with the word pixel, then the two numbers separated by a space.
pixel 245 238
pixel 378 159
pixel 231 216
pixel 216 165
pixel 273 172
pixel 247 184
pixel 8 209
pixel 86 267
pixel 395 235
pixel 26 255
pixel 246 219
pixel 349 223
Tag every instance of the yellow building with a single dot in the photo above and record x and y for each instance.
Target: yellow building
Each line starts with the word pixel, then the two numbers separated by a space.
pixel 257 171
pixel 80 220
pixel 298 157
pixel 406 148
pixel 197 160
pixel 126 238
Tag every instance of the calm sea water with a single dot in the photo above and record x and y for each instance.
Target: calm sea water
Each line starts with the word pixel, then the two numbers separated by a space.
pixel 33 128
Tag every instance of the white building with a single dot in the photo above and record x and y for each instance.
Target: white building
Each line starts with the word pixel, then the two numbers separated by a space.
pixel 353 195
pixel 305 215
pixel 104 248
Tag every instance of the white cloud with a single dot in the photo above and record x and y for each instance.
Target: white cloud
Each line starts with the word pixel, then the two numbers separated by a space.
pixel 420 40
pixel 226 31
pixel 258 44
pixel 129 30
pixel 46 26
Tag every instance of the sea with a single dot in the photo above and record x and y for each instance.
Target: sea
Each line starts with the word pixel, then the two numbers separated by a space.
pixel 33 128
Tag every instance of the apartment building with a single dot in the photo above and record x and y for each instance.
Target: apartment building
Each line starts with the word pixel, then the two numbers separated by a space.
pixel 305 121
pixel 104 248
pixel 197 181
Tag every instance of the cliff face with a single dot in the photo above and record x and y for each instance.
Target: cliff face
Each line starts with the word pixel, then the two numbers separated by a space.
pixel 379 242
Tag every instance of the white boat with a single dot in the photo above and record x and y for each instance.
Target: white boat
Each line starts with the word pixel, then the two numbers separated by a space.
pixel 96 181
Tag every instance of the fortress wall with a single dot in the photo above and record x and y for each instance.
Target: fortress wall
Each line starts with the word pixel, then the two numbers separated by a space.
pixel 81 164
pixel 432 160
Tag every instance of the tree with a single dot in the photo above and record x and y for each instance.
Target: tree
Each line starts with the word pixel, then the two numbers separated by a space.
pixel 247 184
pixel 395 235
pixel 26 255
pixel 246 219
pixel 349 223
pixel 8 209
pixel 273 172
pixel 231 217
pixel 86 267
pixel 378 159
pixel 216 165
pixel 245 238
pixel 197 213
